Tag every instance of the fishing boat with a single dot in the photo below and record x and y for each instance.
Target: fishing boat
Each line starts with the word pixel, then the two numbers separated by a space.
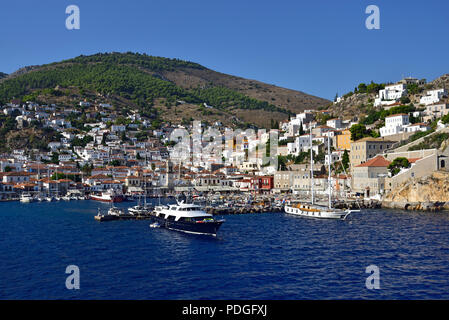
pixel 108 196
pixel 313 210
pixel 113 214
pixel 189 218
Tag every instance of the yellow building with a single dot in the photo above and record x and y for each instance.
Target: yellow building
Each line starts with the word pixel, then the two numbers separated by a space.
pixel 343 140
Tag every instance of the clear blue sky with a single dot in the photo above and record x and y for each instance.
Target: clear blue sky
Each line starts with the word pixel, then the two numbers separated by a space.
pixel 319 47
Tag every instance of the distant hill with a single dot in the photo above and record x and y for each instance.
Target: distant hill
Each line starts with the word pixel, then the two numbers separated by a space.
pixel 3 75
pixel 162 88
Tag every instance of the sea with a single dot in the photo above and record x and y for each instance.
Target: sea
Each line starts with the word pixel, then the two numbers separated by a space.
pixel 269 256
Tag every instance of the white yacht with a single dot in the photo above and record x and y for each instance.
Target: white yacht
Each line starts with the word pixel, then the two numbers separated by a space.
pixel 26 198
pixel 188 218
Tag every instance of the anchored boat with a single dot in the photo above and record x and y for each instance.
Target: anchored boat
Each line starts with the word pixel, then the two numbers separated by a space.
pixel 189 218
pixel 312 210
pixel 26 198
pixel 108 196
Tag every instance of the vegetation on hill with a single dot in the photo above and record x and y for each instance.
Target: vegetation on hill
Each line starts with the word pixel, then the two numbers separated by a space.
pixel 397 164
pixel 359 131
pixel 138 78
pixel 31 136
pixel 2 75
pixel 430 142
pixel 375 115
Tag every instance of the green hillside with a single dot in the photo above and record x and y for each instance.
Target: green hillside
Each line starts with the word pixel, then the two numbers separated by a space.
pixel 126 75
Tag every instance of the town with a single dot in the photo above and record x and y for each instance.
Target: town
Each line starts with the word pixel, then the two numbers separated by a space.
pixel 108 156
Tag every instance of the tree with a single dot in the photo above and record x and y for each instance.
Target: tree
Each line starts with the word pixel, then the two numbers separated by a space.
pixel 445 119
pixel 115 163
pixel 362 88
pixel 282 163
pixel 301 130
pixel 345 159
pixel 55 157
pixel 358 131
pixel 405 100
pixel 397 164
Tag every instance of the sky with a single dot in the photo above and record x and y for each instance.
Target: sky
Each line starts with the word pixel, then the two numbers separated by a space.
pixel 321 47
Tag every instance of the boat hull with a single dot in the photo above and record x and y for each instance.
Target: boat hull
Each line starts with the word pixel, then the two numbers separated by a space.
pixel 317 213
pixel 206 228
pixel 107 199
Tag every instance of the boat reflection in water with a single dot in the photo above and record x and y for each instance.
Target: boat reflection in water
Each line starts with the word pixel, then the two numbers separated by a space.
pixel 188 218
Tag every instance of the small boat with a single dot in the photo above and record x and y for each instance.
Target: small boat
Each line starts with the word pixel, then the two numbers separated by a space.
pixel 26 198
pixel 49 199
pixel 108 196
pixel 140 210
pixel 57 198
pixel 114 211
pixel 66 198
pixel 40 199
pixel 155 225
pixel 111 215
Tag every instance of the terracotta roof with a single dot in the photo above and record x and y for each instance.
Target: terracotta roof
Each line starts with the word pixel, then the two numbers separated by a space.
pixel 370 139
pixel 396 115
pixel 378 161
pixel 413 160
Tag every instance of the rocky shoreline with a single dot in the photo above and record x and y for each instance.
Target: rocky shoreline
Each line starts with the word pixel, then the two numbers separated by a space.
pixel 416 206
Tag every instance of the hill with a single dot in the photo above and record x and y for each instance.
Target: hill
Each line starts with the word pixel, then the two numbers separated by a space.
pixel 360 102
pixel 160 88
pixel 3 75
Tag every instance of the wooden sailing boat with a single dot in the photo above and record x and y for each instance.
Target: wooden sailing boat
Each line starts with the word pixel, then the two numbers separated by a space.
pixel 312 210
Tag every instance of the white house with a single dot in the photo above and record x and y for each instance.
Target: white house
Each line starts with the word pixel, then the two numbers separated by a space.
pixel 118 128
pixel 299 144
pixel 391 92
pixel 394 124
pixel 335 123
pixel 433 96
pixel 417 127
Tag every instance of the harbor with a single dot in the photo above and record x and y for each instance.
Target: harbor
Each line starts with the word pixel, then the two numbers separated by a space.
pixel 281 250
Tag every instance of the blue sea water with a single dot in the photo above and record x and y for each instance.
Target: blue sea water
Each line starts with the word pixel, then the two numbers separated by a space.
pixel 255 256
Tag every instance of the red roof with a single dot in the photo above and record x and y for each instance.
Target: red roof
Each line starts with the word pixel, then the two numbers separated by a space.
pixel 413 160
pixel 398 114
pixel 378 161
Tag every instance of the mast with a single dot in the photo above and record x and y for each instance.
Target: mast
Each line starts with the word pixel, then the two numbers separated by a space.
pixel 329 166
pixel 311 163
pixel 145 181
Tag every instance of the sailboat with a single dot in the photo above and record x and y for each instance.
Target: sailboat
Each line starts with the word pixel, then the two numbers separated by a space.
pixel 139 209
pixel 312 210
